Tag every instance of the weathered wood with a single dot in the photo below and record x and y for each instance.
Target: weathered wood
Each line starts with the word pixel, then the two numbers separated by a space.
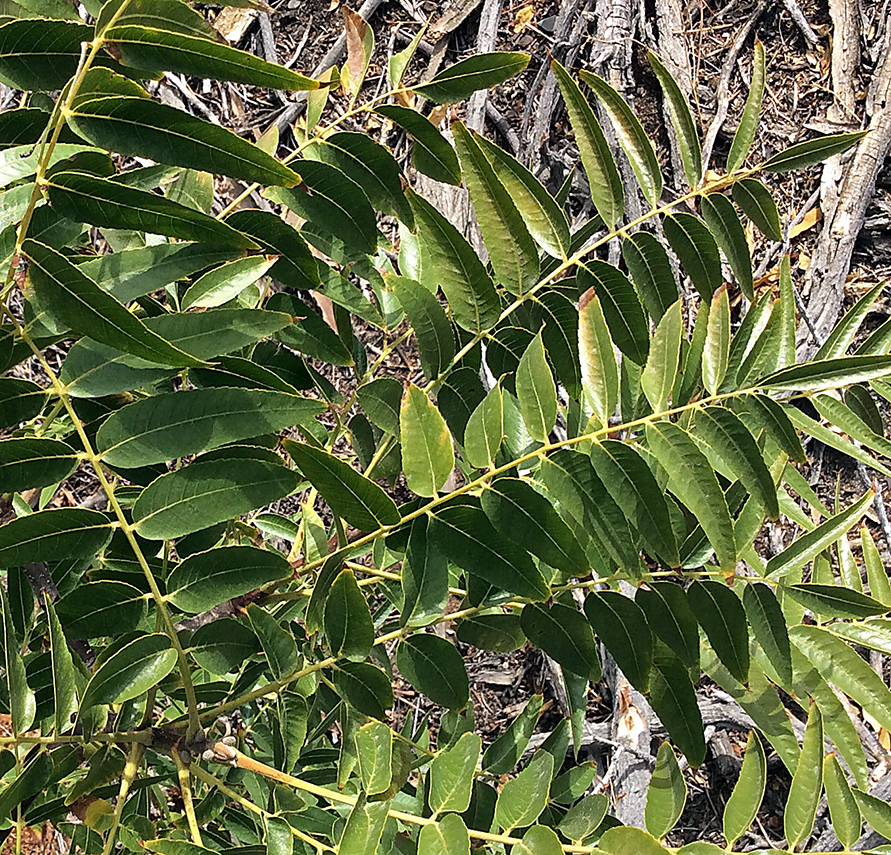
pixel 847 188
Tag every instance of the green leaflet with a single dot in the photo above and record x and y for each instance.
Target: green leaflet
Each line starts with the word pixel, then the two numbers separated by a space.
pixel 348 625
pixel 200 495
pixel 522 799
pixel 600 374
pixel 130 671
pixel 811 544
pixel 757 203
pixel 745 800
pixel 226 282
pixel 363 829
pixel 693 480
pixel 278 644
pixel 296 266
pixel 622 309
pixel 697 250
pixel 164 50
pixel 90 609
pixel 351 495
pixel 499 633
pixel 427 453
pixel 380 399
pixel 877 578
pixel 721 615
pixel 170 15
pixel 434 667
pixel 512 252
pixel 131 273
pixel 457 268
pixel 22 703
pixel 874 810
pixel 759 699
pixel 584 818
pixel 650 268
pixel 769 628
pixel 682 120
pixel 134 124
pixel 536 392
pixel 843 809
pixel 451 775
pixel 724 224
pixel 206 579
pixel 835 600
pixel 837 721
pixel 539 840
pixel 446 837
pixel 541 214
pixel 371 166
pixel 425 577
pixel 834 440
pixel 671 619
pixel 467 538
pixel 724 432
pixel 632 485
pixel 334 202
pixel 570 477
pixel 716 350
pixel 842 335
pixel 784 318
pixel 485 430
pixel 632 137
pixel 515 506
pixel 64 679
pixel 374 743
pixel 431 154
pixel 364 687
pixel 29 463
pixel 84 307
pixel 564 634
pixel 436 338
pixel 620 624
pixel 660 372
pixel 604 180
pixel 21 400
pixel 93 370
pixel 666 793
pixel 808 153
pixel 842 666
pixel 461 80
pixel 30 781
pixel 748 123
pixel 178 424
pixel 104 203
pixel 625 840
pixel 41 54
pixel 807 783
pixel 765 414
pixel 308 333
pixel 60 532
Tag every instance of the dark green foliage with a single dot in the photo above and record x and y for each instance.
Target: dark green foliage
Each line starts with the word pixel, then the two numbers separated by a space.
pixel 297 534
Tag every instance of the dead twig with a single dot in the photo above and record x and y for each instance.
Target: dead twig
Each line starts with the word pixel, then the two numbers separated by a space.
pixel 722 91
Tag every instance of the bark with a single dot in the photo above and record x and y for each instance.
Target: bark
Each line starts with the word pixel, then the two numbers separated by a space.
pixel 848 185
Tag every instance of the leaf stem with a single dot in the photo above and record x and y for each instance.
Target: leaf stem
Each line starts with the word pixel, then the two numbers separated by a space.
pixel 251 765
pixel 214 781
pixel 185 787
pixel 128 776
pixel 129 532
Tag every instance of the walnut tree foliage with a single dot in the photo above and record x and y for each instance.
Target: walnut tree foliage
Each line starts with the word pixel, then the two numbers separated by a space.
pixel 645 420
